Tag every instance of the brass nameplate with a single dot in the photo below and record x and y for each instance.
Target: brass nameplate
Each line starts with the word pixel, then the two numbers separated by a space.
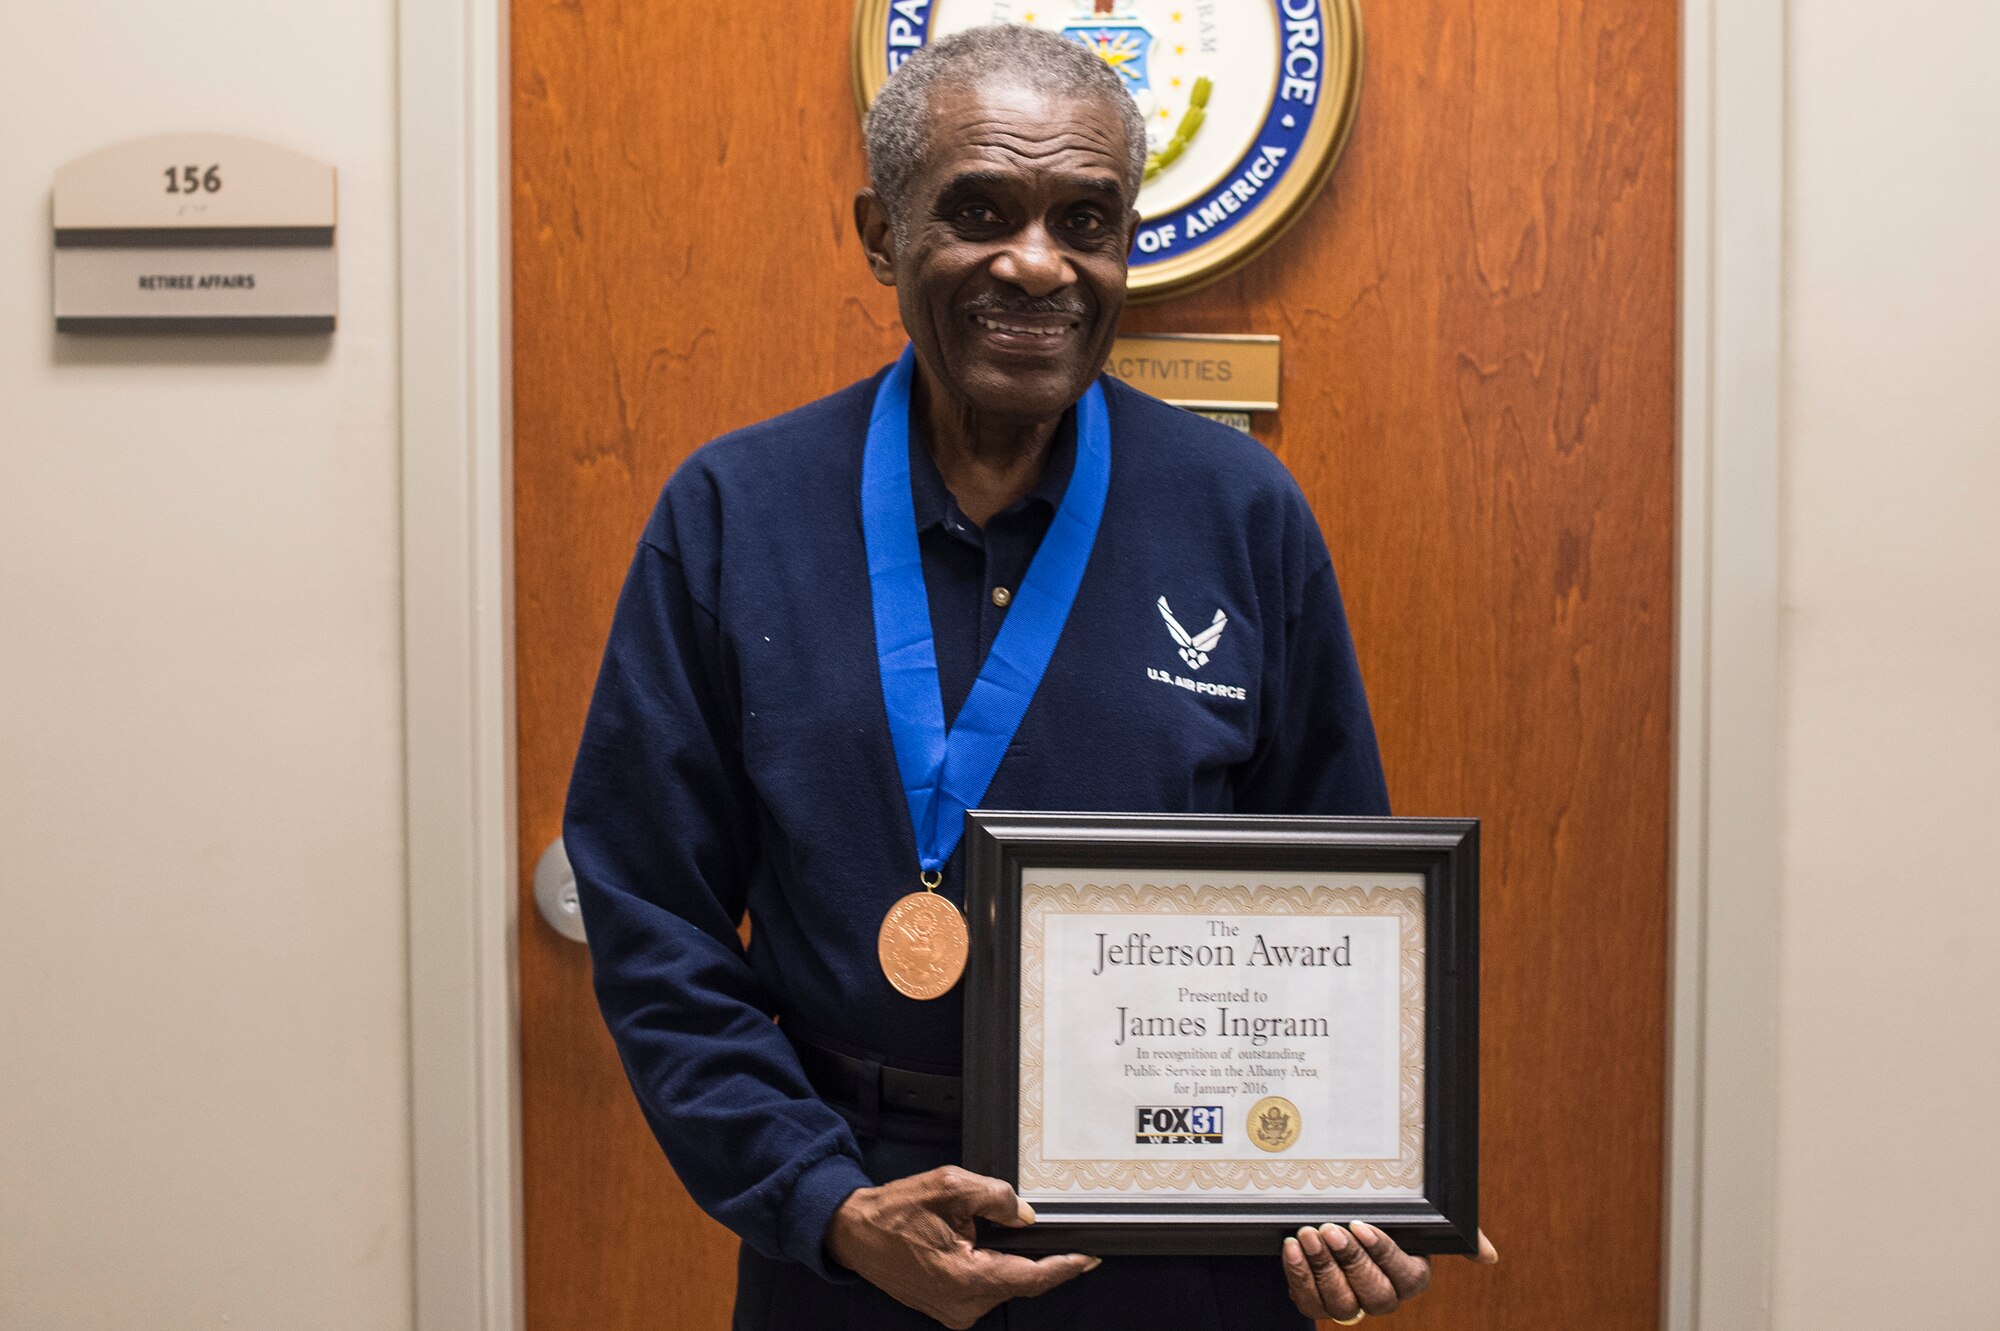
pixel 1202 371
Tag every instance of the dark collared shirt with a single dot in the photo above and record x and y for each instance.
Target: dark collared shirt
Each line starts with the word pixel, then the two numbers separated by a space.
pixel 970 573
pixel 737 754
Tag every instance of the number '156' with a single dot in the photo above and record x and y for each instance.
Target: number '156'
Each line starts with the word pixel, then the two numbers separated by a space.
pixel 192 179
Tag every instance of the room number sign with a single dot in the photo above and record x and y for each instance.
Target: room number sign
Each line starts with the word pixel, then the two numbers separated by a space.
pixel 189 179
pixel 198 233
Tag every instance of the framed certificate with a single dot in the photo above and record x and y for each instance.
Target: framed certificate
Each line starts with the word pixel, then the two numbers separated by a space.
pixel 1194 1034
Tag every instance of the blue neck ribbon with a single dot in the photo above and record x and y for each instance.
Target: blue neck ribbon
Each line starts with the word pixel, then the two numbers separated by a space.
pixel 944 774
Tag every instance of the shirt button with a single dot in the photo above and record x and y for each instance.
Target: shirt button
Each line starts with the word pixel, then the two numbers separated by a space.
pixel 1001 596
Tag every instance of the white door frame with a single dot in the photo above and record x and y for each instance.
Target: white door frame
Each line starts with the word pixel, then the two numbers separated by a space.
pixel 1722 1108
pixel 459 654
pixel 458 648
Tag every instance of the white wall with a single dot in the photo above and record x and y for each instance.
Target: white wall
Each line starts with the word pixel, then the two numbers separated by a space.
pixel 1890 1037
pixel 203 1084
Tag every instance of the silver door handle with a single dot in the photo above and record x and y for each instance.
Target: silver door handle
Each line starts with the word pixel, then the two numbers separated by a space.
pixel 555 893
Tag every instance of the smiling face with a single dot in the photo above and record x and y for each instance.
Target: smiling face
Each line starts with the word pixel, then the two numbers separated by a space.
pixel 1009 266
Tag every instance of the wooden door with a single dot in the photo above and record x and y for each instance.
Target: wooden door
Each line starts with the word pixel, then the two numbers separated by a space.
pixel 1478 325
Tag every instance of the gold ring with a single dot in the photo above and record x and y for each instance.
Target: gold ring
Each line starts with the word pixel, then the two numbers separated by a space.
pixel 1350 1321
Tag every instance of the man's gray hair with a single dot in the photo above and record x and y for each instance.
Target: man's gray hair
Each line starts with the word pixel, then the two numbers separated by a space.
pixel 898 126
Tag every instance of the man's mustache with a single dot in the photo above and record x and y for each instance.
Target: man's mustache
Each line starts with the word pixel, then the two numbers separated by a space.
pixel 990 304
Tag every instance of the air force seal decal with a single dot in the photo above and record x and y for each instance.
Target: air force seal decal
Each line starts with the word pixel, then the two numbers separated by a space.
pixel 1247 105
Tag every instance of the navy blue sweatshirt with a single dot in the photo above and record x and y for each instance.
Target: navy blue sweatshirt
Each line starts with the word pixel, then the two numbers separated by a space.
pixel 737 753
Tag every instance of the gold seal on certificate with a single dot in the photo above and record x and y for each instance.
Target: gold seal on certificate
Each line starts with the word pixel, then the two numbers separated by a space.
pixel 922 945
pixel 1274 1123
pixel 1193 1034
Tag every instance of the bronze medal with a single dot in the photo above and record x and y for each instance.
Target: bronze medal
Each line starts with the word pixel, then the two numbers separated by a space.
pixel 923 945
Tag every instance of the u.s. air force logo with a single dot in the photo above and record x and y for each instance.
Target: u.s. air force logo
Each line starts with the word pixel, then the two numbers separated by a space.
pixel 1194 649
pixel 1247 103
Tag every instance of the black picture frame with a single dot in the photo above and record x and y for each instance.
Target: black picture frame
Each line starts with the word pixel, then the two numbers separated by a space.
pixel 1002 845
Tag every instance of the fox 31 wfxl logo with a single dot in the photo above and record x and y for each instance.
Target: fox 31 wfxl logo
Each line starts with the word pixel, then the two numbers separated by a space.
pixel 1179 1125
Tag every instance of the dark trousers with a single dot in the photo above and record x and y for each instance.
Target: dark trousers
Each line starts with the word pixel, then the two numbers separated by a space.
pixel 1143 1293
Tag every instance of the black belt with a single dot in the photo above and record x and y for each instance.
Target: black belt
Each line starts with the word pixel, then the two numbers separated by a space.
pixel 872 1087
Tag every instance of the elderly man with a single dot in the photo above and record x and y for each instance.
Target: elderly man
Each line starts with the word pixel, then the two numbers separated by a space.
pixel 806 628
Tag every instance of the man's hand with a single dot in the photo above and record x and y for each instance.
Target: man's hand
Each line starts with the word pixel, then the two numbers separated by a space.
pixel 912 1239
pixel 1347 1273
